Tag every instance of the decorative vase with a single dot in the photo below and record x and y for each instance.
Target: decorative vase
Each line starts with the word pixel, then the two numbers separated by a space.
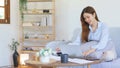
pixel 44 59
pixel 15 58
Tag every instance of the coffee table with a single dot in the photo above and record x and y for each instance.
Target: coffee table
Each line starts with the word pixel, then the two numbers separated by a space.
pixel 54 64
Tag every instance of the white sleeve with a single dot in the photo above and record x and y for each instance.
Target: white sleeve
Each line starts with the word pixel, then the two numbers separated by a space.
pixel 103 40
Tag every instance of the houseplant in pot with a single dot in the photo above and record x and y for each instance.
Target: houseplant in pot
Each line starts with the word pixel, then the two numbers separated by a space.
pixel 22 7
pixel 13 47
pixel 45 55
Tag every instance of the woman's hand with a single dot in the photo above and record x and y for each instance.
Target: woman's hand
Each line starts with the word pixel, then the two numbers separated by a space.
pixel 58 49
pixel 89 52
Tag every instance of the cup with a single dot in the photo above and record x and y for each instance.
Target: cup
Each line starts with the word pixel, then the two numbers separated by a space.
pixel 64 58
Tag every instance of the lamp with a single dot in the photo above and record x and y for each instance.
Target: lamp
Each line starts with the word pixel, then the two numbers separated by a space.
pixel 23 57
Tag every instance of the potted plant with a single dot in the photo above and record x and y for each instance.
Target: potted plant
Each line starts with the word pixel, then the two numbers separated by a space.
pixel 44 55
pixel 22 7
pixel 13 47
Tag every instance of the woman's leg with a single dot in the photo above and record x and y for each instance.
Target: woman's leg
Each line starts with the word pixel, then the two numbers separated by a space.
pixel 87 46
pixel 108 53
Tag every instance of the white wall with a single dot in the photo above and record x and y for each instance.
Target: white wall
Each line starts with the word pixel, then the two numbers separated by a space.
pixel 67 19
pixel 7 32
pixel 68 13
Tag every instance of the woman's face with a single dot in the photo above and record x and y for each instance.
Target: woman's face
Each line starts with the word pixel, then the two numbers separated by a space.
pixel 89 18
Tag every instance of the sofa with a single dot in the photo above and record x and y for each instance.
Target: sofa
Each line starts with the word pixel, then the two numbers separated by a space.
pixel 70 47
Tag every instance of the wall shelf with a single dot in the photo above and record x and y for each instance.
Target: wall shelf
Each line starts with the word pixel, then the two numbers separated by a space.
pixel 39 0
pixel 38 25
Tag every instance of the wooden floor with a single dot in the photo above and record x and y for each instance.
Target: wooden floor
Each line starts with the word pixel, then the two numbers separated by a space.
pixel 15 67
pixel 20 67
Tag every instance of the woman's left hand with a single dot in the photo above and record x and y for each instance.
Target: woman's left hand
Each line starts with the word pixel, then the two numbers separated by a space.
pixel 89 52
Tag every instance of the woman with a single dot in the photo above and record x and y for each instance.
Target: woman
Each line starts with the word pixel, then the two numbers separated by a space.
pixel 95 35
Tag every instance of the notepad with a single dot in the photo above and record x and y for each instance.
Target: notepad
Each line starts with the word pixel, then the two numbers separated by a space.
pixel 55 57
pixel 74 60
pixel 80 61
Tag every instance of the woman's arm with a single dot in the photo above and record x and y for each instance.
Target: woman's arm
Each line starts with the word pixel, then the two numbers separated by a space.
pixel 103 39
pixel 89 52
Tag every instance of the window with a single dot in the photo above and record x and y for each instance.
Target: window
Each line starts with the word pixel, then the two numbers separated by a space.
pixel 4 11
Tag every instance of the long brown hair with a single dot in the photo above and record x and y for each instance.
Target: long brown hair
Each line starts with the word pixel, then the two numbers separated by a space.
pixel 85 26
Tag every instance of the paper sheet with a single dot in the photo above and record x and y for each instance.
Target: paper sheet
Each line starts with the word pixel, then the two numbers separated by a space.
pixel 80 61
pixel 55 57
pixel 75 60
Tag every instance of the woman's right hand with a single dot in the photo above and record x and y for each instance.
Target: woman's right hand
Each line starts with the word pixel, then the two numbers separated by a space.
pixel 58 49
pixel 86 53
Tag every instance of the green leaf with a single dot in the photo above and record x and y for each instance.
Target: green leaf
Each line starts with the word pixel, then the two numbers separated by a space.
pixel 13 44
pixel 22 7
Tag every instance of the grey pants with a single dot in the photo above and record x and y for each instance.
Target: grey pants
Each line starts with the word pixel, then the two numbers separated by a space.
pixel 105 53
pixel 75 50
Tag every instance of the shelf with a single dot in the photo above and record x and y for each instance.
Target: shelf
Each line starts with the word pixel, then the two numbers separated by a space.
pixel 43 35
pixel 27 51
pixel 39 0
pixel 34 46
pixel 37 13
pixel 35 23
pixel 38 26
pixel 35 42
pixel 38 30
pixel 32 43
pixel 32 49
pixel 37 9
pixel 38 39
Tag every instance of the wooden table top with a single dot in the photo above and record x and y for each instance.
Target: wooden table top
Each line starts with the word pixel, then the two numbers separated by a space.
pixel 56 63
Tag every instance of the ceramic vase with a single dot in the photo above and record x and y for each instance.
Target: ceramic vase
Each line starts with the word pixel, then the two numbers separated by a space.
pixel 15 58
pixel 44 59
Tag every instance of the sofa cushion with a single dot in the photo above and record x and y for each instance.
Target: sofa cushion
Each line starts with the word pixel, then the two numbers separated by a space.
pixel 112 64
pixel 114 34
pixel 55 44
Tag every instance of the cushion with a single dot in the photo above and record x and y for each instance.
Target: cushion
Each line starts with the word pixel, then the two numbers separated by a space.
pixel 55 44
pixel 109 55
pixel 76 33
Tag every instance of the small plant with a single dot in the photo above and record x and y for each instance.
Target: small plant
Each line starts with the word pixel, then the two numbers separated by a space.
pixel 45 52
pixel 13 45
pixel 22 7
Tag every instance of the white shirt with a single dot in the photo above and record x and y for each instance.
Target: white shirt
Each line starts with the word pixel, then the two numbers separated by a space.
pixel 101 35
